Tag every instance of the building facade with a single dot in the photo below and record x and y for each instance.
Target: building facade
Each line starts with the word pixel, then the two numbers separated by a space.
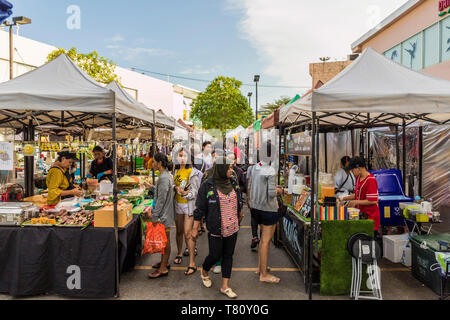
pixel 416 35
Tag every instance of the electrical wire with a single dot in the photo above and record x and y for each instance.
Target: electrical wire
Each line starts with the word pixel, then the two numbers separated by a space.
pixel 208 81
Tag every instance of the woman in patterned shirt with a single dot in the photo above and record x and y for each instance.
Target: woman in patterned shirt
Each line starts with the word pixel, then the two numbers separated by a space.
pixel 219 202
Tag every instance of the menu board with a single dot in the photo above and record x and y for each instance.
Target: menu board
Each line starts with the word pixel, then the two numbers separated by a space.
pixel 299 144
pixel 303 204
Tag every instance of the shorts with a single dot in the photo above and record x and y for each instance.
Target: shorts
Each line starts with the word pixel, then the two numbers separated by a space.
pixel 266 218
pixel 181 208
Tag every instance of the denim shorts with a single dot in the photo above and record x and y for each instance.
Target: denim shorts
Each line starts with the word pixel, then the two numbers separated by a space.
pixel 266 218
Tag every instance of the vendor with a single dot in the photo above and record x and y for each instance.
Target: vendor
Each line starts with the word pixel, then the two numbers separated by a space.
pixel 101 167
pixel 59 181
pixel 365 197
pixel 344 181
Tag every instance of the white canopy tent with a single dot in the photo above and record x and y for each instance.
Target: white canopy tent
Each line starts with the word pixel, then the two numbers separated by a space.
pixel 377 85
pixel 61 85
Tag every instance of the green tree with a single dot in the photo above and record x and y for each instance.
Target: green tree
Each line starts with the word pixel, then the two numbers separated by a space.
pixel 222 106
pixel 98 68
pixel 271 107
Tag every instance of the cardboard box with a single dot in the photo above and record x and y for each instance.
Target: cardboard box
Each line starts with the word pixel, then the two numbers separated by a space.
pixel 104 217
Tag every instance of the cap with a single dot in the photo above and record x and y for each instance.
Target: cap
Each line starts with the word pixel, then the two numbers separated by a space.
pixel 356 162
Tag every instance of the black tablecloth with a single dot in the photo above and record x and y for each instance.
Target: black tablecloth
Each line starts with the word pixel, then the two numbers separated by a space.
pixel 66 261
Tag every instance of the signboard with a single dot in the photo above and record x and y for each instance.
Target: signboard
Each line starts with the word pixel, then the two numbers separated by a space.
pixel 294 237
pixel 443 6
pixel 29 149
pixel 6 156
pixel 299 144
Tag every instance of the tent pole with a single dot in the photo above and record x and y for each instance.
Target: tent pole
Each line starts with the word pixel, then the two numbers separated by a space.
pixel 352 132
pixel 28 136
pixel 313 203
pixel 279 153
pixel 326 149
pixel 404 153
pixel 153 146
pixel 420 160
pixel 115 191
pixel 397 148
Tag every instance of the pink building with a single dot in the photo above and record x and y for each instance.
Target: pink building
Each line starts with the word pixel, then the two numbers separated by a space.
pixel 416 35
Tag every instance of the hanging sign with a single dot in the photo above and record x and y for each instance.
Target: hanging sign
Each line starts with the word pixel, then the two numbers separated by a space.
pixel 29 149
pixel 299 144
pixel 443 6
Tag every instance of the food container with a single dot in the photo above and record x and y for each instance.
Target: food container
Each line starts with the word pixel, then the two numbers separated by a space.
pixel 106 187
pixel 14 213
pixel 353 213
pixel 412 213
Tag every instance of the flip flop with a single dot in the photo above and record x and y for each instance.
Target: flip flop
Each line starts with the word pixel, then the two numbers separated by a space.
pixel 158 265
pixel 157 274
pixel 178 258
pixel 271 280
pixel 186 273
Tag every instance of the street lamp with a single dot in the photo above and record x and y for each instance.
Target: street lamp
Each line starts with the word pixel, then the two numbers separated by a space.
pixel 16 22
pixel 249 99
pixel 256 79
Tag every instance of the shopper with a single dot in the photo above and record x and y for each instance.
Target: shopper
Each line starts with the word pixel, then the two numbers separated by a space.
pixel 365 197
pixel 218 201
pixel 263 200
pixel 101 167
pixel 344 181
pixel 254 221
pixel 163 211
pixel 206 157
pixel 187 182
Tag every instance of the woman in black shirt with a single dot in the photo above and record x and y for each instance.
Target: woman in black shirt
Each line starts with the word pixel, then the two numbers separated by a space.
pixel 101 167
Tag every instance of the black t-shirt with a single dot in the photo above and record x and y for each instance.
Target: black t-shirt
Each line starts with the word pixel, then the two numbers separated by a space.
pixel 96 168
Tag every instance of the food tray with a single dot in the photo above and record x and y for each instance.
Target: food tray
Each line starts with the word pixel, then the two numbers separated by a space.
pixel 28 224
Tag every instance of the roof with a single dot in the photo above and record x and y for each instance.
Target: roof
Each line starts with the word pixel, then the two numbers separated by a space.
pixel 374 84
pixel 392 18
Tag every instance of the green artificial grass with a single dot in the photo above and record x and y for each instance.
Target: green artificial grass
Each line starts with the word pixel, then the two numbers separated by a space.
pixel 336 263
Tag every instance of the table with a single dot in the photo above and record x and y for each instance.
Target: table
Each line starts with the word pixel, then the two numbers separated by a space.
pixel 65 260
pixel 418 225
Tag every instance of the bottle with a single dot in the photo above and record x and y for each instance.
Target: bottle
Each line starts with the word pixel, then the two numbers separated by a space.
pixel 417 200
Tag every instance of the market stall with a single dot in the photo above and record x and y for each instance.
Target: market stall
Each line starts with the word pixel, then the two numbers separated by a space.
pixel 369 93
pixel 61 95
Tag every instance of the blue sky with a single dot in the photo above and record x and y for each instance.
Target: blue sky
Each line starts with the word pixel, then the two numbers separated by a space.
pixel 206 38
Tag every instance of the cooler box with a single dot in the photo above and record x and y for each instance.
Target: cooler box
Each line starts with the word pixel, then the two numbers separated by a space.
pixel 393 246
pixel 390 194
pixel 423 258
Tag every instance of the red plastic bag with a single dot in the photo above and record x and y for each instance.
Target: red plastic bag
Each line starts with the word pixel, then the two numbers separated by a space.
pixel 155 239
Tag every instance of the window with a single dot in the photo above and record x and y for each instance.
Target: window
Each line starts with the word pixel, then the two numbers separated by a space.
pixel 412 52
pixel 445 39
pixel 394 54
pixel 431 45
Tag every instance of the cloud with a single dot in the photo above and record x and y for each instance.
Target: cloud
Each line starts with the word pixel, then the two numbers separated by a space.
pixel 289 34
pixel 116 38
pixel 199 71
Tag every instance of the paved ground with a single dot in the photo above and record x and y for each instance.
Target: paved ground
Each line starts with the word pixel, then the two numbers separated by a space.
pixel 397 281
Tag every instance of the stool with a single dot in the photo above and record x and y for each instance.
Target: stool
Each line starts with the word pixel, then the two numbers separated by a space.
pixel 365 252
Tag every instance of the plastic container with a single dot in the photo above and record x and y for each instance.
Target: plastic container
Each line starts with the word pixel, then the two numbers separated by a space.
pixel 406 257
pixel 393 246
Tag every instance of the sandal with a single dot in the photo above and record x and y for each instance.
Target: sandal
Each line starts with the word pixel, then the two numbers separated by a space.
pixel 196 251
pixel 272 280
pixel 186 252
pixel 179 259
pixel 158 265
pixel 206 281
pixel 229 293
pixel 188 269
pixel 157 274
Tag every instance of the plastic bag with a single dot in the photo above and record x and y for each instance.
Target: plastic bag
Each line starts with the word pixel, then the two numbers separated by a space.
pixel 156 239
